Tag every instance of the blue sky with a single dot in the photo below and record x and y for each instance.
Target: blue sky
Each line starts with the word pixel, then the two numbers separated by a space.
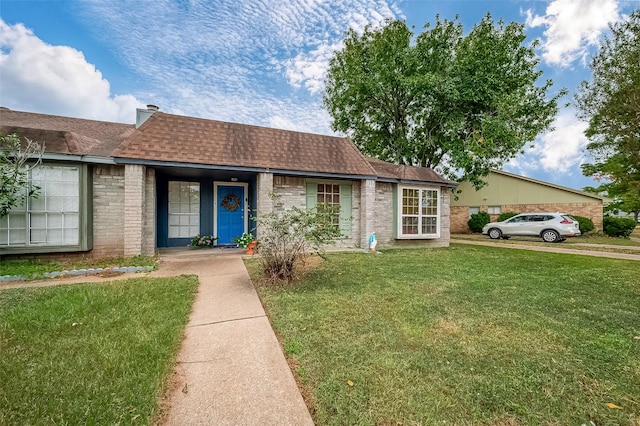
pixel 262 61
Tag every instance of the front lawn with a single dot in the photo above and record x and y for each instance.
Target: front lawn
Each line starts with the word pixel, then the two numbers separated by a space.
pixel 466 335
pixel 90 353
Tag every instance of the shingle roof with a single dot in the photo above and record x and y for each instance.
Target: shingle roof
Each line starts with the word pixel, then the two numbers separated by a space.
pixel 168 138
pixel 65 135
pixel 174 138
pixel 406 173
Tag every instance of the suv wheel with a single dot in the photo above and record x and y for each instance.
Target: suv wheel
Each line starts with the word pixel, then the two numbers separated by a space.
pixel 495 233
pixel 550 236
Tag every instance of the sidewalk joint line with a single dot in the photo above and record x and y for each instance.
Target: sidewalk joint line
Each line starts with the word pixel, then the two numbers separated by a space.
pixel 229 320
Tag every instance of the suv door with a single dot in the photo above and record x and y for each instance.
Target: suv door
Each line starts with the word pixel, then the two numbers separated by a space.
pixel 537 223
pixel 515 226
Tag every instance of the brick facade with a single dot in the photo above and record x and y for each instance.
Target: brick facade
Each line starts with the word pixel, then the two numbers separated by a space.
pixel 108 211
pixel 134 210
pixel 384 220
pixel 292 192
pixel 593 211
pixel 149 226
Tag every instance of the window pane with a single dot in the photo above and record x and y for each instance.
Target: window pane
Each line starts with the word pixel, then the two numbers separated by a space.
pixel 17 236
pixel 71 236
pixel 38 236
pixel 4 237
pixel 328 199
pixel 409 225
pixel 37 204
pixel 410 199
pixel 54 236
pixel 70 203
pixel 17 221
pixel 71 221
pixel 429 225
pixel 184 209
pixel 54 221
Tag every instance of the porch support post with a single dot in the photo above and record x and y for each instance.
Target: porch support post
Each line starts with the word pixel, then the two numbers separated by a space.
pixel 367 210
pixel 264 203
pixel 134 209
pixel 149 248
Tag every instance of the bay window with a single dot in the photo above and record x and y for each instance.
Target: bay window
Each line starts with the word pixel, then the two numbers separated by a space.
pixel 418 212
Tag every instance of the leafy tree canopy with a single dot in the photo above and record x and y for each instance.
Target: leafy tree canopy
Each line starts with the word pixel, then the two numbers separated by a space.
pixel 458 104
pixel 610 102
pixel 14 171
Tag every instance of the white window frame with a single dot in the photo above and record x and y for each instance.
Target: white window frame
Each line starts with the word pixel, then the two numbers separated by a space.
pixel 473 210
pixel 420 216
pixel 494 209
pixel 180 216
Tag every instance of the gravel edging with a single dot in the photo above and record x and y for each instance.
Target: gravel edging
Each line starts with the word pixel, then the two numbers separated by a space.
pixel 79 272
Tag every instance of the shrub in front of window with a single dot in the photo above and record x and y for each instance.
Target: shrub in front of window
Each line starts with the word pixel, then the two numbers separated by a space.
pixel 14 171
pixel 586 224
pixel 618 226
pixel 288 237
pixel 506 215
pixel 478 221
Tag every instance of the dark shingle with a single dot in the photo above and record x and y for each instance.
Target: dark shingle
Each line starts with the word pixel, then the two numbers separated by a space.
pixel 66 135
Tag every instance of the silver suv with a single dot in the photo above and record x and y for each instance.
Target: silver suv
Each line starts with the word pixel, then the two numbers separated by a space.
pixel 551 227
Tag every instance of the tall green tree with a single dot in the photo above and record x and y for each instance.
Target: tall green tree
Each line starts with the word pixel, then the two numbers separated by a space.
pixel 458 104
pixel 610 102
pixel 14 170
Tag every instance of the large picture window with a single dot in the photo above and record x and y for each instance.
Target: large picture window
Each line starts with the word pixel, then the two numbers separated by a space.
pixel 53 217
pixel 419 213
pixel 184 209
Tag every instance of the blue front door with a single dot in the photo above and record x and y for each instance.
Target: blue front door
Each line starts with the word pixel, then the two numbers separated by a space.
pixel 231 213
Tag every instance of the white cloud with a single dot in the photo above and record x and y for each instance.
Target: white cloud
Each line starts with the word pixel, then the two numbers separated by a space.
pixel 309 69
pixel 572 26
pixel 250 56
pixel 55 79
pixel 558 153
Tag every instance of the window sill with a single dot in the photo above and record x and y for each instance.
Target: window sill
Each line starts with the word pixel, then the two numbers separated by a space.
pixel 418 237
pixel 41 249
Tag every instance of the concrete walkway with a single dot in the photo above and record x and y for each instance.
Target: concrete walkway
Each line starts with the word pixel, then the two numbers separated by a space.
pixel 552 248
pixel 230 369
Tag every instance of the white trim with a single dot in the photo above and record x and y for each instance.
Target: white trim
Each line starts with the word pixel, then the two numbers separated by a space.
pixel 399 234
pixel 245 213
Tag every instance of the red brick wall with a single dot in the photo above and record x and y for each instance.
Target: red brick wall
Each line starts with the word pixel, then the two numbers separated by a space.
pixel 460 214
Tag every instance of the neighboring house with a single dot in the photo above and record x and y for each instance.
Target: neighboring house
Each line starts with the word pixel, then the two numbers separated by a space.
pixel 113 190
pixel 507 192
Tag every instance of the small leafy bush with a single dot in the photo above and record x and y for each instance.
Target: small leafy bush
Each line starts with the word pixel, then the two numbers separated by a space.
pixel 478 220
pixel 585 224
pixel 618 226
pixel 243 240
pixel 202 241
pixel 288 237
pixel 506 215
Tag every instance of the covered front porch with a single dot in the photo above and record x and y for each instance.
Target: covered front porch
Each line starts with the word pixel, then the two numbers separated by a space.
pixel 167 206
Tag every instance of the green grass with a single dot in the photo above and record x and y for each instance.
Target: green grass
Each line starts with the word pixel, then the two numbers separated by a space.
pixel 90 353
pixel 465 335
pixel 31 267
